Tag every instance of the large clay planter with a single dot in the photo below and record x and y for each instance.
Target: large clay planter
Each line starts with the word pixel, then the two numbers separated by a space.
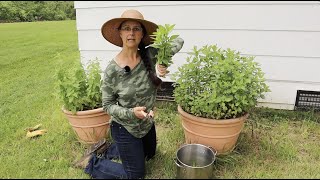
pixel 221 135
pixel 90 126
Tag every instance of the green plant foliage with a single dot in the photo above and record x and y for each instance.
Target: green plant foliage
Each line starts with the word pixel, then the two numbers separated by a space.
pixel 27 11
pixel 218 84
pixel 163 42
pixel 79 90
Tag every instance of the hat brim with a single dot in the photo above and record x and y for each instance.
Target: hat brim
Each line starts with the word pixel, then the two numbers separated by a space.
pixel 111 33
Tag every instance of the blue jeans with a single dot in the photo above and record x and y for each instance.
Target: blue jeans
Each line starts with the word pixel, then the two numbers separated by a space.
pixel 131 150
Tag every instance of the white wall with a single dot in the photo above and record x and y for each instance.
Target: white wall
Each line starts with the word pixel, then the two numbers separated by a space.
pixel 284 36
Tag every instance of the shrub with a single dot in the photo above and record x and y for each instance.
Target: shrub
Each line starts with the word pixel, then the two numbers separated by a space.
pixel 80 90
pixel 218 84
pixel 24 11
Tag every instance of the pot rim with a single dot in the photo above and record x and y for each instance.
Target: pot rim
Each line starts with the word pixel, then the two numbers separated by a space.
pixel 214 152
pixel 86 112
pixel 203 119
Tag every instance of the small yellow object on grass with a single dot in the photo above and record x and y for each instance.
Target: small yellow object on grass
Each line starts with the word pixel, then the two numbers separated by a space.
pixel 34 128
pixel 33 131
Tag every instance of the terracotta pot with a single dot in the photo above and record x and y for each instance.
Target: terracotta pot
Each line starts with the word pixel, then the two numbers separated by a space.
pixel 222 135
pixel 90 126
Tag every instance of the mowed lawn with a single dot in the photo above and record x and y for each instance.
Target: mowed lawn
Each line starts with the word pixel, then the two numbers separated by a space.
pixel 273 144
pixel 30 55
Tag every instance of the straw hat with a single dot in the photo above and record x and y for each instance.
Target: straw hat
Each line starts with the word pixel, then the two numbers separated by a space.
pixel 111 33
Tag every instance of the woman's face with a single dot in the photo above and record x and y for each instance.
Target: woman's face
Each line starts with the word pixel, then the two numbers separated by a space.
pixel 131 33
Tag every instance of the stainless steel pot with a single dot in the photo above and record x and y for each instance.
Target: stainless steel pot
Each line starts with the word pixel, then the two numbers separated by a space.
pixel 195 161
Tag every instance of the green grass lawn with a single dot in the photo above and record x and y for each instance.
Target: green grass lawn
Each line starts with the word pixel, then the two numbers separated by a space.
pixel 273 144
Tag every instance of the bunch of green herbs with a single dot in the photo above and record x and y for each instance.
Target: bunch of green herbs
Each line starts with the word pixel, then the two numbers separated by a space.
pixel 163 41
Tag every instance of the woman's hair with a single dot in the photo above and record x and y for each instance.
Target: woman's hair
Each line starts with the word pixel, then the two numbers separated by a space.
pixel 146 61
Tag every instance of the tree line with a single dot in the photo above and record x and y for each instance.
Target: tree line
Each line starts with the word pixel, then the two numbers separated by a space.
pixel 28 11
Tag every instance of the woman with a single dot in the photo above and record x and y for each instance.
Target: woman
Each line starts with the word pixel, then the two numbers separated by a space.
pixel 129 92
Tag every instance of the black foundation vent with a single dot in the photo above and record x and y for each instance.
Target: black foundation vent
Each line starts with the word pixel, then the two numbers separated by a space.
pixel 307 100
pixel 165 92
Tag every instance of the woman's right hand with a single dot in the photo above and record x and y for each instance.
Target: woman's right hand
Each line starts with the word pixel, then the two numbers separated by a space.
pixel 140 112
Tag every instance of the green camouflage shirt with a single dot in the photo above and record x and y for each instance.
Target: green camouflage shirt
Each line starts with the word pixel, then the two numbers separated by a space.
pixel 121 92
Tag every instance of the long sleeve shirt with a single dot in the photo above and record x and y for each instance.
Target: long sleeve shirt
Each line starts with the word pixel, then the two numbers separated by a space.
pixel 122 91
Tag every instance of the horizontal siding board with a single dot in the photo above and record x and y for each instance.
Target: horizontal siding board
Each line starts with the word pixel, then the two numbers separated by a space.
pixel 291 44
pixel 276 105
pixel 104 57
pixel 277 69
pixel 285 92
pixel 290 68
pixel 295 18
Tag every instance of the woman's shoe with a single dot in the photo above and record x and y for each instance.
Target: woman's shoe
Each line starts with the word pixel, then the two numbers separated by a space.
pixel 103 148
pixel 98 148
pixel 93 148
pixel 83 162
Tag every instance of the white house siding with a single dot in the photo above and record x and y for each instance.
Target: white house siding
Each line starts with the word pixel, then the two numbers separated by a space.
pixel 284 36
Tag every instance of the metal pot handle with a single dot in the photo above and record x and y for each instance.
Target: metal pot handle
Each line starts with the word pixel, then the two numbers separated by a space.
pixel 214 151
pixel 179 165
